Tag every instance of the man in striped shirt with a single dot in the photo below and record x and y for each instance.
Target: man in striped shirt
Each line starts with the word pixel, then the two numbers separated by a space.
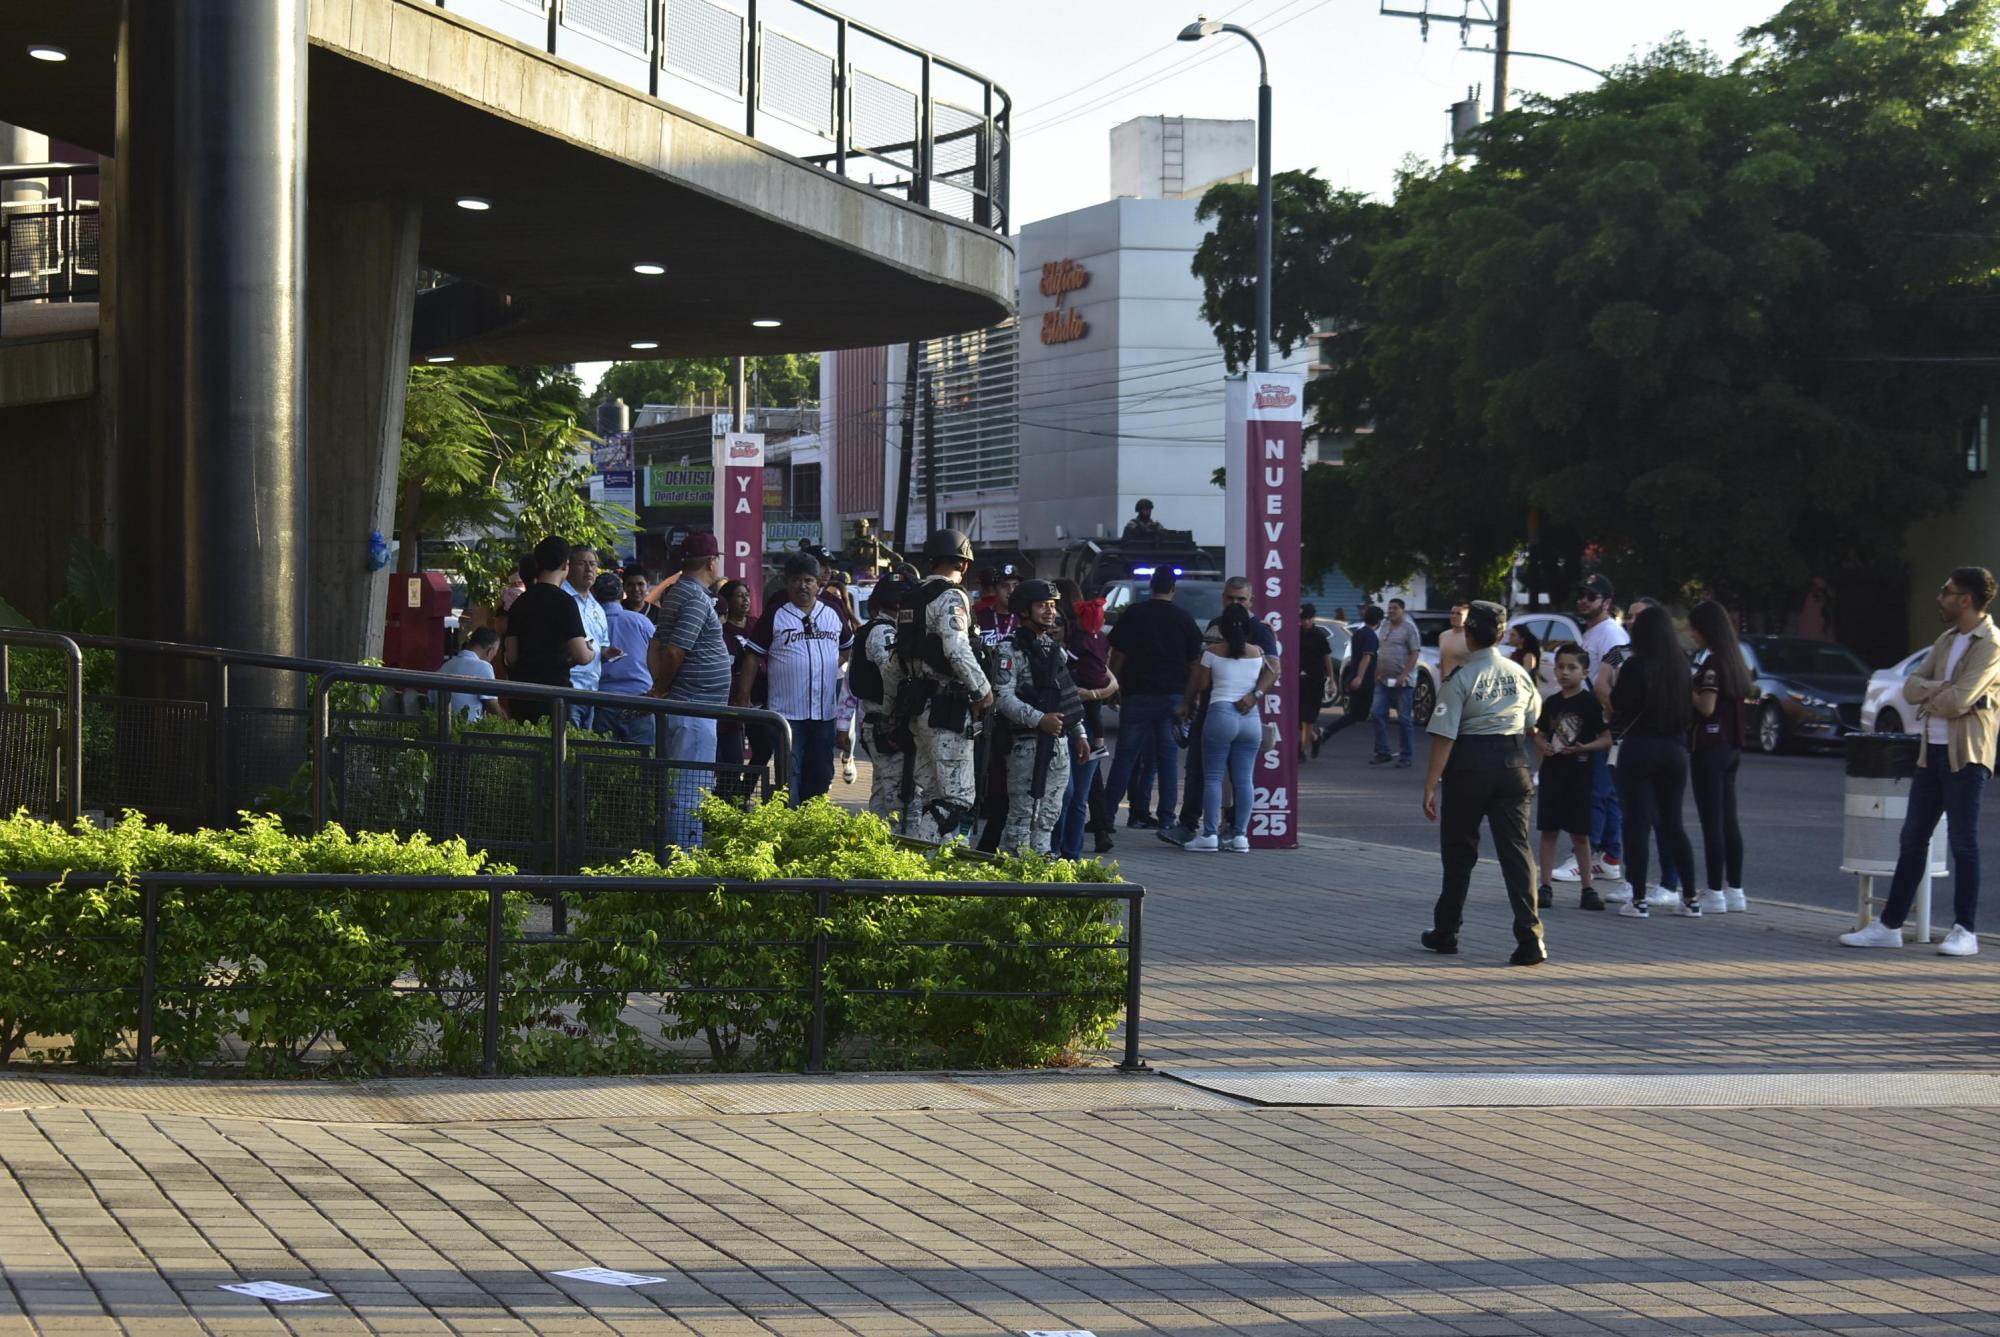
pixel 690 663
pixel 801 644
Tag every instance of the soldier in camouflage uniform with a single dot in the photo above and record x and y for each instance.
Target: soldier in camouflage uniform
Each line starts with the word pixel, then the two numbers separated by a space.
pixel 872 677
pixel 941 690
pixel 1039 703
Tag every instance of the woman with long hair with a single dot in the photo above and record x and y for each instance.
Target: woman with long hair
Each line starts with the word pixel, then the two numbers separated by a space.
pixel 1721 688
pixel 1526 650
pixel 1231 729
pixel 1652 706
pixel 732 777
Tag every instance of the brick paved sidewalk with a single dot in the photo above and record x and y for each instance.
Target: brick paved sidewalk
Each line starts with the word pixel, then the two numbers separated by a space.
pixel 1114 1219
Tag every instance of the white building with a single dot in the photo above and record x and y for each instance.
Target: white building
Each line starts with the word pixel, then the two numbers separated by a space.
pixel 1179 157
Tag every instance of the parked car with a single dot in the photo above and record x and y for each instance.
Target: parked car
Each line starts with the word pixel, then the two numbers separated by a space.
pixel 1884 709
pixel 1809 693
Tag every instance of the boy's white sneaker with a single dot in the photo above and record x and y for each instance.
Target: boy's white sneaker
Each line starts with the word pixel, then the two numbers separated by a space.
pixel 1876 934
pixel 1961 941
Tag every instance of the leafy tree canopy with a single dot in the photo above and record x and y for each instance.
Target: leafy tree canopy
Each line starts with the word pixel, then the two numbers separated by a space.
pixel 1721 324
pixel 783 380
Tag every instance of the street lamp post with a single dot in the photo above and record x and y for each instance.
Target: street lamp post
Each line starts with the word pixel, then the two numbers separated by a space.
pixel 1194 32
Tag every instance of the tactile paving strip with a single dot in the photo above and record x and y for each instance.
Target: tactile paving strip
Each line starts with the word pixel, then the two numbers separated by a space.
pixel 526 1099
pixel 1432 1090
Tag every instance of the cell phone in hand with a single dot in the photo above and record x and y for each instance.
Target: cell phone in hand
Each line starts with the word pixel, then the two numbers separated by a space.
pixel 613 652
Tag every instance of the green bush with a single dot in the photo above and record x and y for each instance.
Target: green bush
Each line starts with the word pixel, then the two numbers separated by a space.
pixel 391 981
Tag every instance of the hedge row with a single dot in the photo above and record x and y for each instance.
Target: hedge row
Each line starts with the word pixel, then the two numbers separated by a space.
pixel 375 982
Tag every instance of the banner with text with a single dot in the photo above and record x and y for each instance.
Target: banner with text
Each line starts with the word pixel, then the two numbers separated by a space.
pixel 739 510
pixel 1264 455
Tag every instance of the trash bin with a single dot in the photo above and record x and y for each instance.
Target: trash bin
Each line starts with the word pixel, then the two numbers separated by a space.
pixel 1879 768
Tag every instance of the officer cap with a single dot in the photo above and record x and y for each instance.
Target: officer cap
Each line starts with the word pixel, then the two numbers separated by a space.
pixel 890 593
pixel 946 544
pixel 1485 620
pixel 1029 593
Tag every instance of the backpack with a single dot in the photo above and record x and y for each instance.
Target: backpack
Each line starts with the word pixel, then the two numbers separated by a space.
pixel 864 676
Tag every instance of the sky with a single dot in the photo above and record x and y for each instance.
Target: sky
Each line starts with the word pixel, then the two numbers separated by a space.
pixel 1354 92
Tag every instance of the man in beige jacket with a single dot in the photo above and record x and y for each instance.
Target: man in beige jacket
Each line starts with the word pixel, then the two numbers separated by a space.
pixel 1957 694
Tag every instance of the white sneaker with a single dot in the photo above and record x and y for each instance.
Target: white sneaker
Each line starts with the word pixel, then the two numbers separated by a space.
pixel 1203 845
pixel 1634 910
pixel 1714 903
pixel 1567 873
pixel 1660 898
pixel 1961 941
pixel 1687 909
pixel 1615 893
pixel 1237 844
pixel 1876 934
pixel 1607 870
pixel 1738 902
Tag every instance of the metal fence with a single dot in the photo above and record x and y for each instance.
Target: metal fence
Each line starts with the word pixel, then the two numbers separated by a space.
pixel 882 105
pixel 818 947
pixel 49 247
pixel 217 745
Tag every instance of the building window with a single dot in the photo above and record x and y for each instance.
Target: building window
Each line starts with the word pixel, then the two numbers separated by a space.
pixel 1975 442
pixel 805 492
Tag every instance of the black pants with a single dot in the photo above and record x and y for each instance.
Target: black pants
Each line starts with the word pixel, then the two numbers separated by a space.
pixel 1359 708
pixel 1652 780
pixel 1715 803
pixel 1487 780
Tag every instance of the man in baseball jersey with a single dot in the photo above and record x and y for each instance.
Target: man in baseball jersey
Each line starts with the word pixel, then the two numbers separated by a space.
pixel 801 643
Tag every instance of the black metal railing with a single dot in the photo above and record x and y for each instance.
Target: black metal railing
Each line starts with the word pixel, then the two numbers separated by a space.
pixel 818 946
pixel 548 804
pixel 805 65
pixel 49 247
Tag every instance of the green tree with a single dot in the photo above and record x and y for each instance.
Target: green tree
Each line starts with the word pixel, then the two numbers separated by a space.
pixel 1711 322
pixel 783 380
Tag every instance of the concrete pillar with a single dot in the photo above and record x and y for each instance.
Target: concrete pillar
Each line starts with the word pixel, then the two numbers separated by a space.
pixel 211 255
pixel 361 291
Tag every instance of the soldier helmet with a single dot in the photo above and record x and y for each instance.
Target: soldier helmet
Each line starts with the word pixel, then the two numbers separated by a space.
pixel 1029 593
pixel 889 594
pixel 947 545
pixel 1145 504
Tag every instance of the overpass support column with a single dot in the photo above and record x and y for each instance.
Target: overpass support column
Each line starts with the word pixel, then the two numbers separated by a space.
pixel 211 363
pixel 361 295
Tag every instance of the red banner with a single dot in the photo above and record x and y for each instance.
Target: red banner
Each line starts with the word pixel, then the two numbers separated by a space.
pixel 1265 459
pixel 739 510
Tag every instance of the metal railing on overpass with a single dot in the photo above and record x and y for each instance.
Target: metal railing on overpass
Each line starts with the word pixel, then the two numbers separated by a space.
pixel 50 241
pixel 836 92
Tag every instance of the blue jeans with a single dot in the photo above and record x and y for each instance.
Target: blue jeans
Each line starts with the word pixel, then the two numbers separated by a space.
pixel 1194 787
pixel 628 726
pixel 1146 729
pixel 692 742
pixel 1938 791
pixel 1403 699
pixel 1607 821
pixel 583 717
pixel 1229 742
pixel 812 759
pixel 1067 842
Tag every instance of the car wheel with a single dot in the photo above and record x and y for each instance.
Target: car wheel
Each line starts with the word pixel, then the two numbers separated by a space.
pixel 1425 700
pixel 1771 729
pixel 1888 722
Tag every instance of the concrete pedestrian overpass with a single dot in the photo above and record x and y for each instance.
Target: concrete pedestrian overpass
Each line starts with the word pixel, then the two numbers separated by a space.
pixel 280 173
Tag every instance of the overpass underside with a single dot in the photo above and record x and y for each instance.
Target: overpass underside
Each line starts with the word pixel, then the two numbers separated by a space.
pixel 277 176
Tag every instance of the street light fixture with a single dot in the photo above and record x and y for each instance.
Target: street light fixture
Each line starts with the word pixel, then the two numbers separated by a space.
pixel 1203 26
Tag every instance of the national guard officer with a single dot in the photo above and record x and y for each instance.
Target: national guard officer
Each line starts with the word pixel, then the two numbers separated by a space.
pixel 1039 702
pixel 871 676
pixel 1483 712
pixel 941 688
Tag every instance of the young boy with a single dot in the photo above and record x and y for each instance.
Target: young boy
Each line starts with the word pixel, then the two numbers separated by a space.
pixel 1571 728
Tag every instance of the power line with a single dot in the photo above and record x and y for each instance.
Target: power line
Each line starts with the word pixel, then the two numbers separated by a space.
pixel 1047 103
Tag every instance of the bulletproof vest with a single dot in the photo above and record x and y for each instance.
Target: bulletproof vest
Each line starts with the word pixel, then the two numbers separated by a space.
pixel 864 676
pixel 915 643
pixel 1053 690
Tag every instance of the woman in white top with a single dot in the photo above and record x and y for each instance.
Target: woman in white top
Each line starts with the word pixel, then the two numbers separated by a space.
pixel 1232 730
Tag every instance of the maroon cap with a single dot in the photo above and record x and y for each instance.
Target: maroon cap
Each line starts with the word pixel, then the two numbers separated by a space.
pixel 700 545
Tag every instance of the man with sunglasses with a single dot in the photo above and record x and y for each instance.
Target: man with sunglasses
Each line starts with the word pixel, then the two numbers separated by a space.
pixel 1956 691
pixel 1602 635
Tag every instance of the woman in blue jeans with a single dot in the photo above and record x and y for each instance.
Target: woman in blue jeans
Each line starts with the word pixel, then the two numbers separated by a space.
pixel 1232 729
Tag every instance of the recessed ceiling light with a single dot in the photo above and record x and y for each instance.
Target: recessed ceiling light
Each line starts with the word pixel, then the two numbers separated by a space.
pixel 644 344
pixel 649 269
pixel 475 203
pixel 446 358
pixel 55 55
pixel 767 324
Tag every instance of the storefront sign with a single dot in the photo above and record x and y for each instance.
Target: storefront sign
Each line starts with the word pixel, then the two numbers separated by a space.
pixel 613 452
pixel 1264 453
pixel 774 487
pixel 1064 324
pixel 739 510
pixel 619 491
pixel 782 534
pixel 690 485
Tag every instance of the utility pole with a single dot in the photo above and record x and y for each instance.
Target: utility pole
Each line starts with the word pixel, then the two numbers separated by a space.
pixel 1495 14
pixel 908 451
pixel 930 454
